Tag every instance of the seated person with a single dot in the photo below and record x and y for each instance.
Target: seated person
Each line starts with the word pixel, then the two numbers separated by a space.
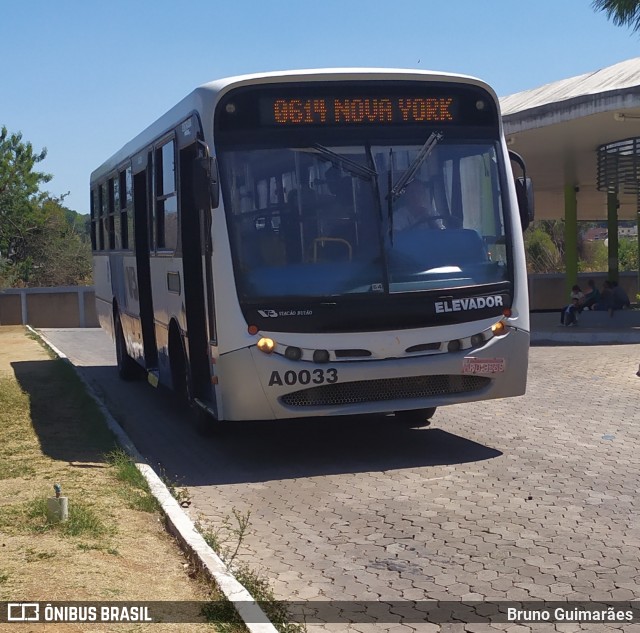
pixel 591 297
pixel 606 298
pixel 576 293
pixel 569 314
pixel 620 297
pixel 416 209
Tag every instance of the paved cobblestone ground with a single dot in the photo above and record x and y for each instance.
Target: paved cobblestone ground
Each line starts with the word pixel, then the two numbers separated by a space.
pixel 552 515
pixel 531 498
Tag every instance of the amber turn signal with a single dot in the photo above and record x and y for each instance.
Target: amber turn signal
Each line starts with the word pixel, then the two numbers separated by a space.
pixel 266 345
pixel 499 328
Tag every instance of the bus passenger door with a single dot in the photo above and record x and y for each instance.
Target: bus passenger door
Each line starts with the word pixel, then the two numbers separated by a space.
pixel 196 262
pixel 142 166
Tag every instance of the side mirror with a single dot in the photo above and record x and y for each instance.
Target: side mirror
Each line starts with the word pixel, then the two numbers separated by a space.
pixel 214 182
pixel 524 192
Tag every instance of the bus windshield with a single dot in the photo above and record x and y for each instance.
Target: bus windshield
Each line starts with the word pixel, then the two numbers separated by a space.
pixel 334 220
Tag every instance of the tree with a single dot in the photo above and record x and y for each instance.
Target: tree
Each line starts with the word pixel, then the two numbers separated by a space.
pixel 543 255
pixel 41 241
pixel 19 193
pixel 622 12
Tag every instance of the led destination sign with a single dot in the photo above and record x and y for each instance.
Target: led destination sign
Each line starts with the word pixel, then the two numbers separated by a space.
pixel 368 105
pixel 358 110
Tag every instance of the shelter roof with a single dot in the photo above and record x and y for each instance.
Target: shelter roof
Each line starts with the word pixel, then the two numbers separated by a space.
pixel 613 79
pixel 557 128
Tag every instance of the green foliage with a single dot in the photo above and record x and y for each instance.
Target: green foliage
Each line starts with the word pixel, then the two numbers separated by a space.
pixel 628 254
pixel 17 161
pixel 544 244
pixel 227 541
pixel 621 12
pixel 594 257
pixel 137 492
pixel 543 254
pixel 42 243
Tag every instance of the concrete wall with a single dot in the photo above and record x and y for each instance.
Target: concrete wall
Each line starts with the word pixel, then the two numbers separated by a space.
pixel 69 306
pixel 74 306
pixel 549 291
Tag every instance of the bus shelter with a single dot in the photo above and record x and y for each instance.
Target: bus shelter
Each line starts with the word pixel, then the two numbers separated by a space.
pixel 580 139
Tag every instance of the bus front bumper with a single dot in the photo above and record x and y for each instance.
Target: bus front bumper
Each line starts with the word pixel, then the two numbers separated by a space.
pixel 259 386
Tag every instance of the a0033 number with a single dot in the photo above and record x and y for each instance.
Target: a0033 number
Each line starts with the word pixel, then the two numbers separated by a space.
pixel 304 377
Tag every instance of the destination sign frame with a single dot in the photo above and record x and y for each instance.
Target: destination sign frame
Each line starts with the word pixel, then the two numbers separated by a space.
pixel 371 104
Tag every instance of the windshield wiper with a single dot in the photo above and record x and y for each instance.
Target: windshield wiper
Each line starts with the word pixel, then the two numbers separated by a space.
pixel 423 154
pixel 349 165
pixel 378 203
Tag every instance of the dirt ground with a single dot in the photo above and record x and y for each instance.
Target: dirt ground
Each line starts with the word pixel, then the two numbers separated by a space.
pixel 51 433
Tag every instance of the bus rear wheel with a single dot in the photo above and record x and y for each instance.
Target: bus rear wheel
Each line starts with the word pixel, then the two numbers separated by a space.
pixel 127 367
pixel 416 417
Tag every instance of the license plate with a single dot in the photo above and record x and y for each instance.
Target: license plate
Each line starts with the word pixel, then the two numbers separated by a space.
pixel 483 365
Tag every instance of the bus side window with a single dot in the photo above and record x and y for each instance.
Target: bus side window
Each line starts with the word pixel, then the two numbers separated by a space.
pixel 121 210
pixel 166 198
pixel 102 211
pixel 114 214
pixel 94 219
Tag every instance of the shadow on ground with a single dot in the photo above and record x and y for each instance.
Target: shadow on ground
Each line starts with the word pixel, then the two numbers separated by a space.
pixel 164 432
pixel 65 419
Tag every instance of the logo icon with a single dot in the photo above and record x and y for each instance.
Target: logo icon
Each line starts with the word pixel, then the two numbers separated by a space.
pixel 268 313
pixel 23 612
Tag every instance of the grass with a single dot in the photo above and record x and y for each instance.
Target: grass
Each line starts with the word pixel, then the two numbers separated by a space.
pixel 83 520
pixel 179 493
pixel 52 432
pixel 14 421
pixel 136 490
pixel 227 541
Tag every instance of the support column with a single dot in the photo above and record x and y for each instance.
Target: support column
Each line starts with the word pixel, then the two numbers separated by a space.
pixel 23 306
pixel 612 236
pixel 634 299
pixel 81 316
pixel 570 237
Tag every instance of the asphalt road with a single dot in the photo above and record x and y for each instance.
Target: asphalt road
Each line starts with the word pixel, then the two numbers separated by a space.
pixel 531 498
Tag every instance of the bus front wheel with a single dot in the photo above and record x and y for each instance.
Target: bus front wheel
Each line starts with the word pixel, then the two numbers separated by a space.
pixel 416 417
pixel 179 369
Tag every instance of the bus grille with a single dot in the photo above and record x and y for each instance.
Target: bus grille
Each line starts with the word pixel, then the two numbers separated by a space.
pixel 383 389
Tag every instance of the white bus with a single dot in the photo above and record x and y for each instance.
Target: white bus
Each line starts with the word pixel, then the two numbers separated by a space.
pixel 322 242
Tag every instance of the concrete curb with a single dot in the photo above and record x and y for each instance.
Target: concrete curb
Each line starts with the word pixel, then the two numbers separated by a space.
pixel 178 522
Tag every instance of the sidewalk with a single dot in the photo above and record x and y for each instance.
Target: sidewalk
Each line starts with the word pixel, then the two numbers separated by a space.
pixel 546 329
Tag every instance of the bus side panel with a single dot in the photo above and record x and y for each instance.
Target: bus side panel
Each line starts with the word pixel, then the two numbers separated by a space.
pixel 520 292
pixel 167 291
pixel 102 286
pixel 115 279
pixel 242 394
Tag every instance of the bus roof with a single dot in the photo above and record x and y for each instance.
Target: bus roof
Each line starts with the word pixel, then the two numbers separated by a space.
pixel 328 74
pixel 204 98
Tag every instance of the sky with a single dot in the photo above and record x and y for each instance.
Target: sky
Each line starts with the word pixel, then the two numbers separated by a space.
pixel 83 77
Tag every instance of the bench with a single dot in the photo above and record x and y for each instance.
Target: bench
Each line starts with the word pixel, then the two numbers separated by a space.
pixel 603 320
